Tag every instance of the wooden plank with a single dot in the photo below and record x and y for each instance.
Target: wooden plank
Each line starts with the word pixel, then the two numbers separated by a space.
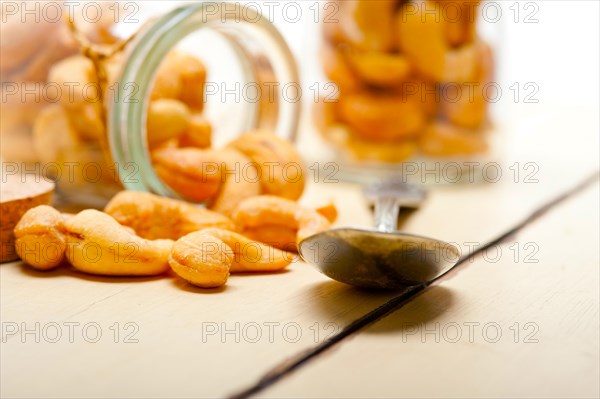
pixel 173 357
pixel 543 301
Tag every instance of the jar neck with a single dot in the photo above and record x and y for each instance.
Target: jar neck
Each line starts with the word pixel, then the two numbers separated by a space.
pixel 260 49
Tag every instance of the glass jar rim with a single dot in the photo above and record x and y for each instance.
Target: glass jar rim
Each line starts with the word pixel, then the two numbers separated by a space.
pixel 128 107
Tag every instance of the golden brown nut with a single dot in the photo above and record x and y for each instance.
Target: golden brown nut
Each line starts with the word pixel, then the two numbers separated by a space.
pixel 325 113
pixel 281 237
pixel 167 119
pixel 154 217
pixel 18 145
pixel 201 259
pixel 40 238
pixel 443 139
pixel 198 133
pixel 60 45
pixel 193 78
pixel 77 79
pixel 269 210
pixel 53 134
pixel 251 256
pixel 338 70
pixel 242 180
pixel 281 169
pixel 467 105
pixel 460 18
pixel 381 117
pixel 86 119
pixel 98 244
pixel 420 32
pixel 17 113
pixel 378 68
pixel 194 173
pixel 329 210
pixel 21 40
pixel 367 24
pixel 167 83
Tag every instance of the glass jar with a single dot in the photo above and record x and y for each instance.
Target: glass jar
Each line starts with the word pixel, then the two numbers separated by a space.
pixel 95 147
pixel 413 83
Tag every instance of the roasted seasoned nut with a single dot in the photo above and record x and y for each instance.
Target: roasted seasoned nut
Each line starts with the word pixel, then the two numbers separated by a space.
pixel 194 173
pixel 249 255
pixel 443 139
pixel 280 167
pixel 167 83
pixel 53 134
pixel 242 180
pixel 421 36
pixel 325 113
pixel 366 150
pixel 180 77
pixel 382 117
pixel 460 21
pixel 154 217
pixel 201 259
pixel 338 70
pixel 40 238
pixel 268 210
pixel 198 133
pixel 98 244
pixel 78 80
pixel 281 237
pixel 193 79
pixel 86 119
pixel 329 210
pixel 467 106
pixel 21 41
pixel 366 24
pixel 18 145
pixel 167 119
pixel 378 68
pixel 17 113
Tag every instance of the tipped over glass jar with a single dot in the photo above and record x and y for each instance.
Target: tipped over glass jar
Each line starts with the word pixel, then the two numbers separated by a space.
pixel 89 109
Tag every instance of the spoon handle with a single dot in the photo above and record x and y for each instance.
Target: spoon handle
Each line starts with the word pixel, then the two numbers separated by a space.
pixel 386 213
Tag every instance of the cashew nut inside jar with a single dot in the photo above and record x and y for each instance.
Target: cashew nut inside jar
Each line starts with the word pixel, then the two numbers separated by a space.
pixel 107 106
pixel 408 89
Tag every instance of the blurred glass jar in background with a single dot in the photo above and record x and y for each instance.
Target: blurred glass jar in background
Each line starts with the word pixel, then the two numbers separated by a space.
pixel 86 104
pixel 414 81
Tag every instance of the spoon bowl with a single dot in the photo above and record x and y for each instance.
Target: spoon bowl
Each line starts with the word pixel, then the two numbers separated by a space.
pixel 383 257
pixel 376 259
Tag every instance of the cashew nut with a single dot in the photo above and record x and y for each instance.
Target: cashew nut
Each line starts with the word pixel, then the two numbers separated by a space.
pixel 382 117
pixel 421 36
pixel 443 139
pixel 98 244
pixel 198 133
pixel 266 211
pixel 154 217
pixel 249 255
pixel 40 238
pixel 201 259
pixel 167 119
pixel 280 167
pixel 193 173
pixel 241 181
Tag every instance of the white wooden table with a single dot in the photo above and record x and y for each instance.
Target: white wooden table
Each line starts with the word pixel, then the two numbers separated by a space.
pixel 517 320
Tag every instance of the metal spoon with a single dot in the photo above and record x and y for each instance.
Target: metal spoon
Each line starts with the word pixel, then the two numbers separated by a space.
pixel 383 258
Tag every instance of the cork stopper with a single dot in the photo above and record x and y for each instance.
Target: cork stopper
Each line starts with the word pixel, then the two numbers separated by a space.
pixel 18 194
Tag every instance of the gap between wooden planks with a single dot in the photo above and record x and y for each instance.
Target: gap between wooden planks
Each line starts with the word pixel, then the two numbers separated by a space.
pixel 290 365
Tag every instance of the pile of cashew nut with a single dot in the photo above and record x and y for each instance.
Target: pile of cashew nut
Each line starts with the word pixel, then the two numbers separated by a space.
pixel 141 234
pixel 402 70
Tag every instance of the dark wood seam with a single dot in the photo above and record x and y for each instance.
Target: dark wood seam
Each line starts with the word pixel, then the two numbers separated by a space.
pixel 288 366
